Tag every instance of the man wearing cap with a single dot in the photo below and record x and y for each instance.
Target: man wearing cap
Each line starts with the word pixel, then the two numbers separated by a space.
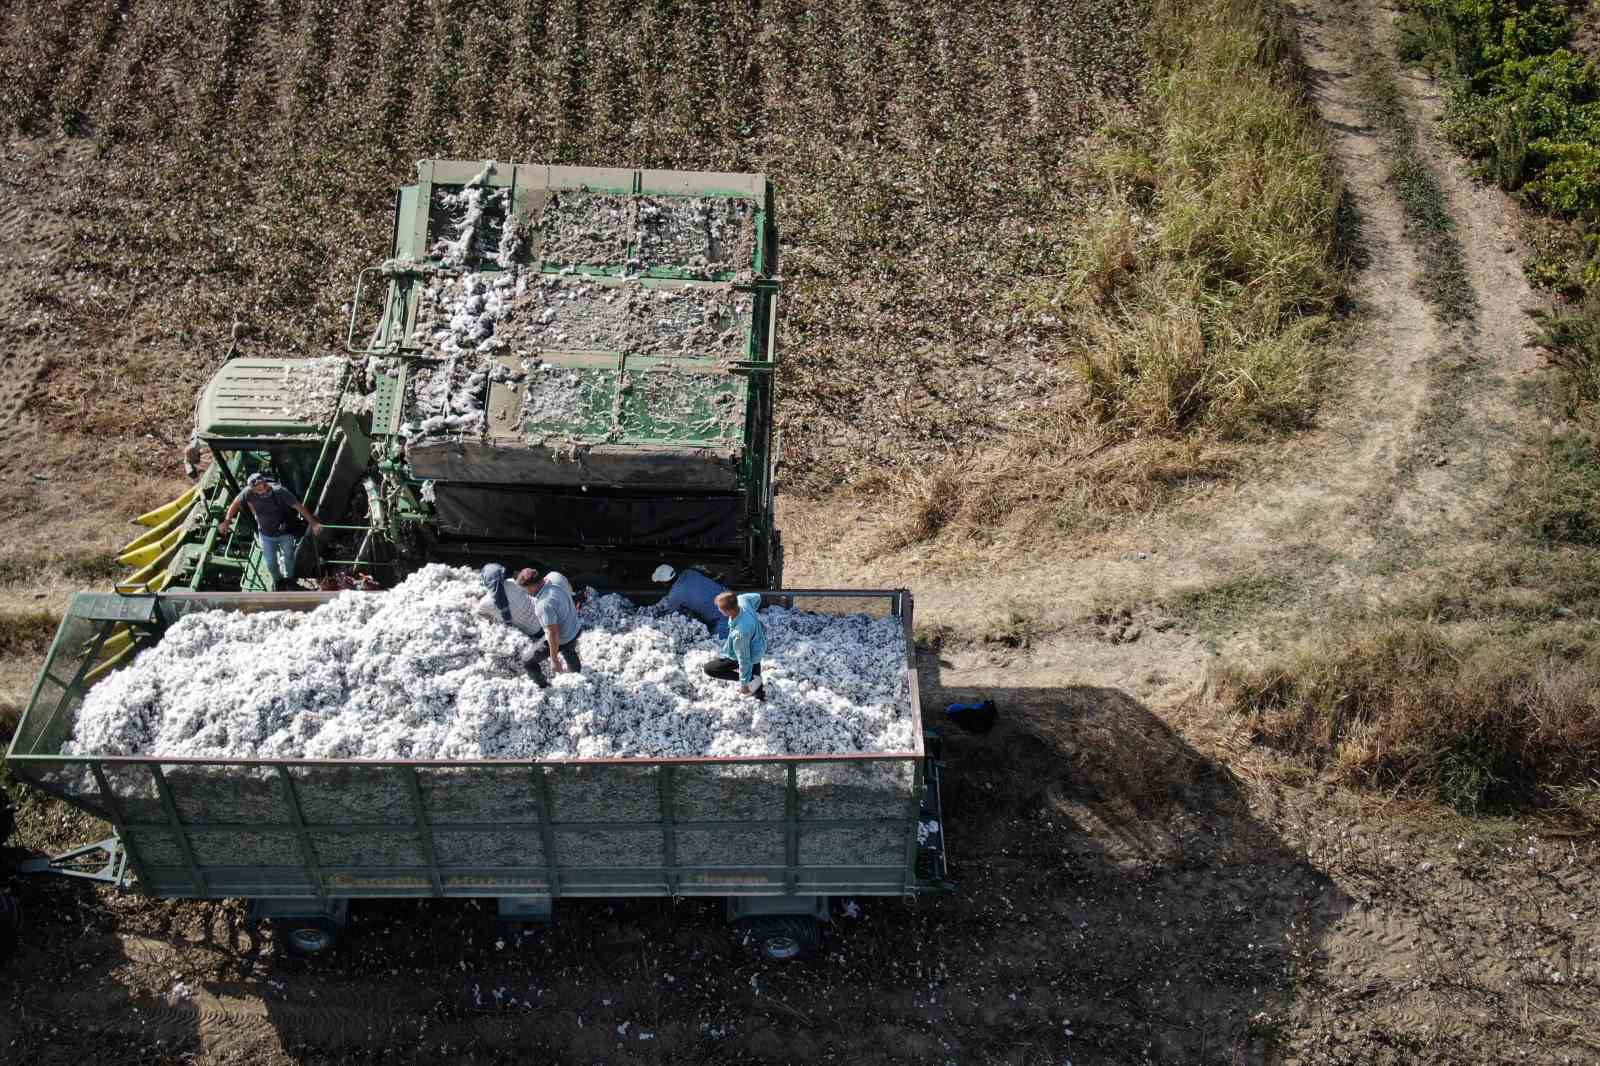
pixel 746 644
pixel 694 595
pixel 544 609
pixel 271 504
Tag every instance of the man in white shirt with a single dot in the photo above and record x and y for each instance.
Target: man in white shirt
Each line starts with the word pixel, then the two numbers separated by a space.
pixel 543 608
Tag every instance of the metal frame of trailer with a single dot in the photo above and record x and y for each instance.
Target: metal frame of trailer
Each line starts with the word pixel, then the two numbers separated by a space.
pixel 172 819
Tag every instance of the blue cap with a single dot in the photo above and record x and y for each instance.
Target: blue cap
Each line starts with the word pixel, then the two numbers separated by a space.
pixel 492 574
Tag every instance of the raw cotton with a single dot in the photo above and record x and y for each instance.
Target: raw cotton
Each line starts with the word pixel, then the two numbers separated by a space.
pixel 417 672
pixel 308 389
pixel 477 328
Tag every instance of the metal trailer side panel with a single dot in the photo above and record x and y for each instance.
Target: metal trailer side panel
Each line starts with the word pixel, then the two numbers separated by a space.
pixel 780 825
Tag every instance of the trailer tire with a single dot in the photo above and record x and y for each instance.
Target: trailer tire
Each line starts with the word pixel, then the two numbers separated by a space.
pixel 10 925
pixel 780 938
pixel 305 938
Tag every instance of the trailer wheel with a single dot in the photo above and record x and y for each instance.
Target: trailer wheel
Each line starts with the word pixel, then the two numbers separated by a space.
pixel 780 938
pixel 306 938
pixel 10 925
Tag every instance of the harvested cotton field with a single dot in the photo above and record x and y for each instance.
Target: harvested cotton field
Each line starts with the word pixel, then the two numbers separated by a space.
pixel 925 157
pixel 418 673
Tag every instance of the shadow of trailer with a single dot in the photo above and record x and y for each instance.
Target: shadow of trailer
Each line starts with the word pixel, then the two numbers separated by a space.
pixel 301 838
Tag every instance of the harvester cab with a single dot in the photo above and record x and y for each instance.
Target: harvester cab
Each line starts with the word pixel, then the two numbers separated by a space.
pixel 563 367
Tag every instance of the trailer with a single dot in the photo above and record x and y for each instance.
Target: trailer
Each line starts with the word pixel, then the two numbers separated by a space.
pixel 776 836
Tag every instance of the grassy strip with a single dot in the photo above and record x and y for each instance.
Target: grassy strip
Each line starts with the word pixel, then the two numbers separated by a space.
pixel 1429 225
pixel 1215 608
pixel 1223 258
pixel 1195 297
pixel 1480 692
pixel 1479 722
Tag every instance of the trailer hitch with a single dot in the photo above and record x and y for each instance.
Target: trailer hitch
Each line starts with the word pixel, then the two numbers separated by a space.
pixel 84 863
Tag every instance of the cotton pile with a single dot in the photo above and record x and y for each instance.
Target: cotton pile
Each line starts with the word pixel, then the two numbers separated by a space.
pixel 417 673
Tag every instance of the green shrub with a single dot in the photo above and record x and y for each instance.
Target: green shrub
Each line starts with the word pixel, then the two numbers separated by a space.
pixel 1563 494
pixel 1466 38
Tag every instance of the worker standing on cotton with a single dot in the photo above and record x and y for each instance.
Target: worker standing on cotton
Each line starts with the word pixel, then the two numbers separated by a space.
pixel 557 613
pixel 745 645
pixel 271 505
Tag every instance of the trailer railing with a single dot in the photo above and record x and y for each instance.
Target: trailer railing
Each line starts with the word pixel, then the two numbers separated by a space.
pixel 770 825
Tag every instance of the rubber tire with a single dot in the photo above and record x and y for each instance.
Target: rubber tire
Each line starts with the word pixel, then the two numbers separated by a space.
pixel 305 938
pixel 780 938
pixel 10 926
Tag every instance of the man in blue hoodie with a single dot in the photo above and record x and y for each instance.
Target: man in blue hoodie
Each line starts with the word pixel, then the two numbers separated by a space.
pixel 746 644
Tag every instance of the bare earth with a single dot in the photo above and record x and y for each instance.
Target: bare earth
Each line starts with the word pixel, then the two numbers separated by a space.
pixel 1188 900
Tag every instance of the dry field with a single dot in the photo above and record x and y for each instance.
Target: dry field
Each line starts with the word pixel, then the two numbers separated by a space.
pixel 926 156
pixel 1148 876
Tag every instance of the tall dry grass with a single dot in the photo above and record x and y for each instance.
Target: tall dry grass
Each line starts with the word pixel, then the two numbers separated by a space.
pixel 1480 722
pixel 1195 299
pixel 1211 322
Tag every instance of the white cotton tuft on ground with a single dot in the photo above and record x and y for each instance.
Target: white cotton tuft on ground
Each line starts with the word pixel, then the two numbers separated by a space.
pixel 417 673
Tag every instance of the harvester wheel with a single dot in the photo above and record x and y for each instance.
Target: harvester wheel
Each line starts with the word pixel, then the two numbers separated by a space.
pixel 780 938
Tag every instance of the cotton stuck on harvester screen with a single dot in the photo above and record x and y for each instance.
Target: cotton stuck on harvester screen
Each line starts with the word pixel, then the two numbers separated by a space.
pixel 417 673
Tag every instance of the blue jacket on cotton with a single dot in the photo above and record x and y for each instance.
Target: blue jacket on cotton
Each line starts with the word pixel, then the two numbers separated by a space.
pixel 747 637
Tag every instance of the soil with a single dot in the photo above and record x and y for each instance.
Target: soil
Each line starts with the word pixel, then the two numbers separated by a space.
pixel 1137 883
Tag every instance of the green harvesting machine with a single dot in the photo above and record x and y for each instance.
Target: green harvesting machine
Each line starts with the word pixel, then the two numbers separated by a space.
pixel 557 366
pixel 569 367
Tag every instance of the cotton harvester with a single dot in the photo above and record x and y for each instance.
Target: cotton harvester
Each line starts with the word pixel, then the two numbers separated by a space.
pixel 570 367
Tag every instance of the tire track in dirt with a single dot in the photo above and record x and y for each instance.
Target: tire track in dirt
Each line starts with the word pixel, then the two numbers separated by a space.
pixel 1361 507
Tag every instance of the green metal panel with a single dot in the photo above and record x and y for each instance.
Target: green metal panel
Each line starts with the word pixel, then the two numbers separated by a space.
pixel 677 401
pixel 582 404
pixel 405 236
pixel 388 402
pixel 270 398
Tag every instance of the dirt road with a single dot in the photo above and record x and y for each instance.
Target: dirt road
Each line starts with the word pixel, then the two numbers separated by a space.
pixel 1137 884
